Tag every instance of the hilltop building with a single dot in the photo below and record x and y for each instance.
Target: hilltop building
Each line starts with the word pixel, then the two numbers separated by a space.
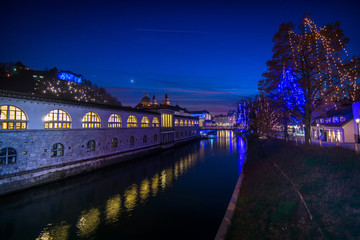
pixel 53 83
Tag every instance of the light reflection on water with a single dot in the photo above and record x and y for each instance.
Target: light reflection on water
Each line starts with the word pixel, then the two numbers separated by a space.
pixel 90 219
pixel 124 201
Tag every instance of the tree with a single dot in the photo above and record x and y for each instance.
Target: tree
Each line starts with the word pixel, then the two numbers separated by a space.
pixel 319 66
pixel 264 117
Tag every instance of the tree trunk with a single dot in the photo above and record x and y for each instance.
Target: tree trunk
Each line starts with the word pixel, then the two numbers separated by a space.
pixel 307 123
pixel 285 129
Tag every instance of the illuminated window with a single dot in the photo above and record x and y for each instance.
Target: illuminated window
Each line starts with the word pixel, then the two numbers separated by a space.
pixel 57 119
pixel 145 139
pixel 131 121
pixel 155 122
pixel 114 121
pixel 132 140
pixel 90 146
pixel 192 123
pixel 145 122
pixel 114 142
pixel 7 156
pixel 176 123
pixel 12 118
pixel 91 120
pixel 181 123
pixel 185 123
pixel 166 120
pixel 57 150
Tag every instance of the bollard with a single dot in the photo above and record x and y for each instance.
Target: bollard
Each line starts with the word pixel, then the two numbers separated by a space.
pixel 320 143
pixel 337 143
pixel 356 148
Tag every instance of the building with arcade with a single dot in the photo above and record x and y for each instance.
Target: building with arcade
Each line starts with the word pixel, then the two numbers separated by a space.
pixel 46 139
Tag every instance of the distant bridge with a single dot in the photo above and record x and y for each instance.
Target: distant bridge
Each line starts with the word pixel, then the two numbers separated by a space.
pixel 222 128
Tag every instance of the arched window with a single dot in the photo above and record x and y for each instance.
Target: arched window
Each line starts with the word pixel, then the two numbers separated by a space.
pixel 57 150
pixel 185 123
pixel 90 146
pixel 176 123
pixel 145 122
pixel 12 118
pixel 131 121
pixel 155 122
pixel 7 156
pixel 132 140
pixel 91 120
pixel 155 138
pixel 114 142
pixel 114 121
pixel 145 139
pixel 181 123
pixel 192 123
pixel 57 119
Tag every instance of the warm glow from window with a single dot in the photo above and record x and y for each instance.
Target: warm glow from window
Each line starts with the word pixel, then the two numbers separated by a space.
pixel 131 121
pixel 155 122
pixel 57 119
pixel 91 120
pixel 114 121
pixel 185 123
pixel 12 118
pixel 166 120
pixel 176 123
pixel 181 123
pixel 145 122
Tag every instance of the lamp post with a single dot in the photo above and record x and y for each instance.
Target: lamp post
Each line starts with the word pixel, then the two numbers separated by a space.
pixel 318 131
pixel 358 130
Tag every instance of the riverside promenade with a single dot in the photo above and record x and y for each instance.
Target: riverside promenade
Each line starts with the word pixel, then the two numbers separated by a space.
pixel 301 140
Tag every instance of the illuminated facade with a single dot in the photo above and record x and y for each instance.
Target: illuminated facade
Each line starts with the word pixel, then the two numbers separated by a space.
pixel 49 137
pixel 335 126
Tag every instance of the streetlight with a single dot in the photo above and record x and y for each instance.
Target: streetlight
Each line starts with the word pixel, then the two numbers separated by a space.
pixel 318 128
pixel 358 130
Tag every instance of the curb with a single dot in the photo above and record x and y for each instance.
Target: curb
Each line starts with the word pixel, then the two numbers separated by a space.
pixel 229 211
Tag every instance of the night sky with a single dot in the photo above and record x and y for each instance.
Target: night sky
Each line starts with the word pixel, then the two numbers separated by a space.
pixel 204 54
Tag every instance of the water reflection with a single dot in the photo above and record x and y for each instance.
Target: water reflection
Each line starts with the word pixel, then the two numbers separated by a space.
pixel 108 199
pixel 131 198
pixel 113 207
pixel 55 232
pixel 144 189
pixel 88 222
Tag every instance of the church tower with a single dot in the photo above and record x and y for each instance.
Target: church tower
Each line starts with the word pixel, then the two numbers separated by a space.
pixel 154 100
pixel 166 100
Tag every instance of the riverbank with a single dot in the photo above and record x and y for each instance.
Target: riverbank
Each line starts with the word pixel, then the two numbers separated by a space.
pixel 297 192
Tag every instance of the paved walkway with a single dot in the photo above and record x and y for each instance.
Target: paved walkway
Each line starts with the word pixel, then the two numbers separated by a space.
pixel 352 146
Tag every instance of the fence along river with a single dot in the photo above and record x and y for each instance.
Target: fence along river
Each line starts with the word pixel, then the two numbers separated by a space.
pixel 182 193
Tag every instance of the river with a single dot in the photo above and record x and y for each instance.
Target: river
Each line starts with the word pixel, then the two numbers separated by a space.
pixel 181 193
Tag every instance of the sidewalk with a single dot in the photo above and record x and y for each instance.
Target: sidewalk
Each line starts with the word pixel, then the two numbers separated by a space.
pixel 301 140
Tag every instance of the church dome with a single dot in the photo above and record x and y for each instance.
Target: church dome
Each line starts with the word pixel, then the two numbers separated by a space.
pixel 146 101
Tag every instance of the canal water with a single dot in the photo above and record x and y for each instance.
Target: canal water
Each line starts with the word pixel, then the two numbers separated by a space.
pixel 181 193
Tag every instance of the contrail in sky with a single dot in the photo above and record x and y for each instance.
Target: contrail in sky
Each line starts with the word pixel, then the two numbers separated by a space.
pixel 167 30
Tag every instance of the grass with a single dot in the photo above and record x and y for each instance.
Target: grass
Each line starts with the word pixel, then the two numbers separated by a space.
pixel 269 208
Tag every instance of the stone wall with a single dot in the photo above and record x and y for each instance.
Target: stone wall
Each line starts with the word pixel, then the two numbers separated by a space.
pixel 38 160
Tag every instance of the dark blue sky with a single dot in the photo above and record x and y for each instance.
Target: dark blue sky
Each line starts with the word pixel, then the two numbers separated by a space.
pixel 204 54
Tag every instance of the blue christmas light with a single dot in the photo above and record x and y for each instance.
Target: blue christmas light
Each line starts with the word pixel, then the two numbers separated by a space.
pixel 291 93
